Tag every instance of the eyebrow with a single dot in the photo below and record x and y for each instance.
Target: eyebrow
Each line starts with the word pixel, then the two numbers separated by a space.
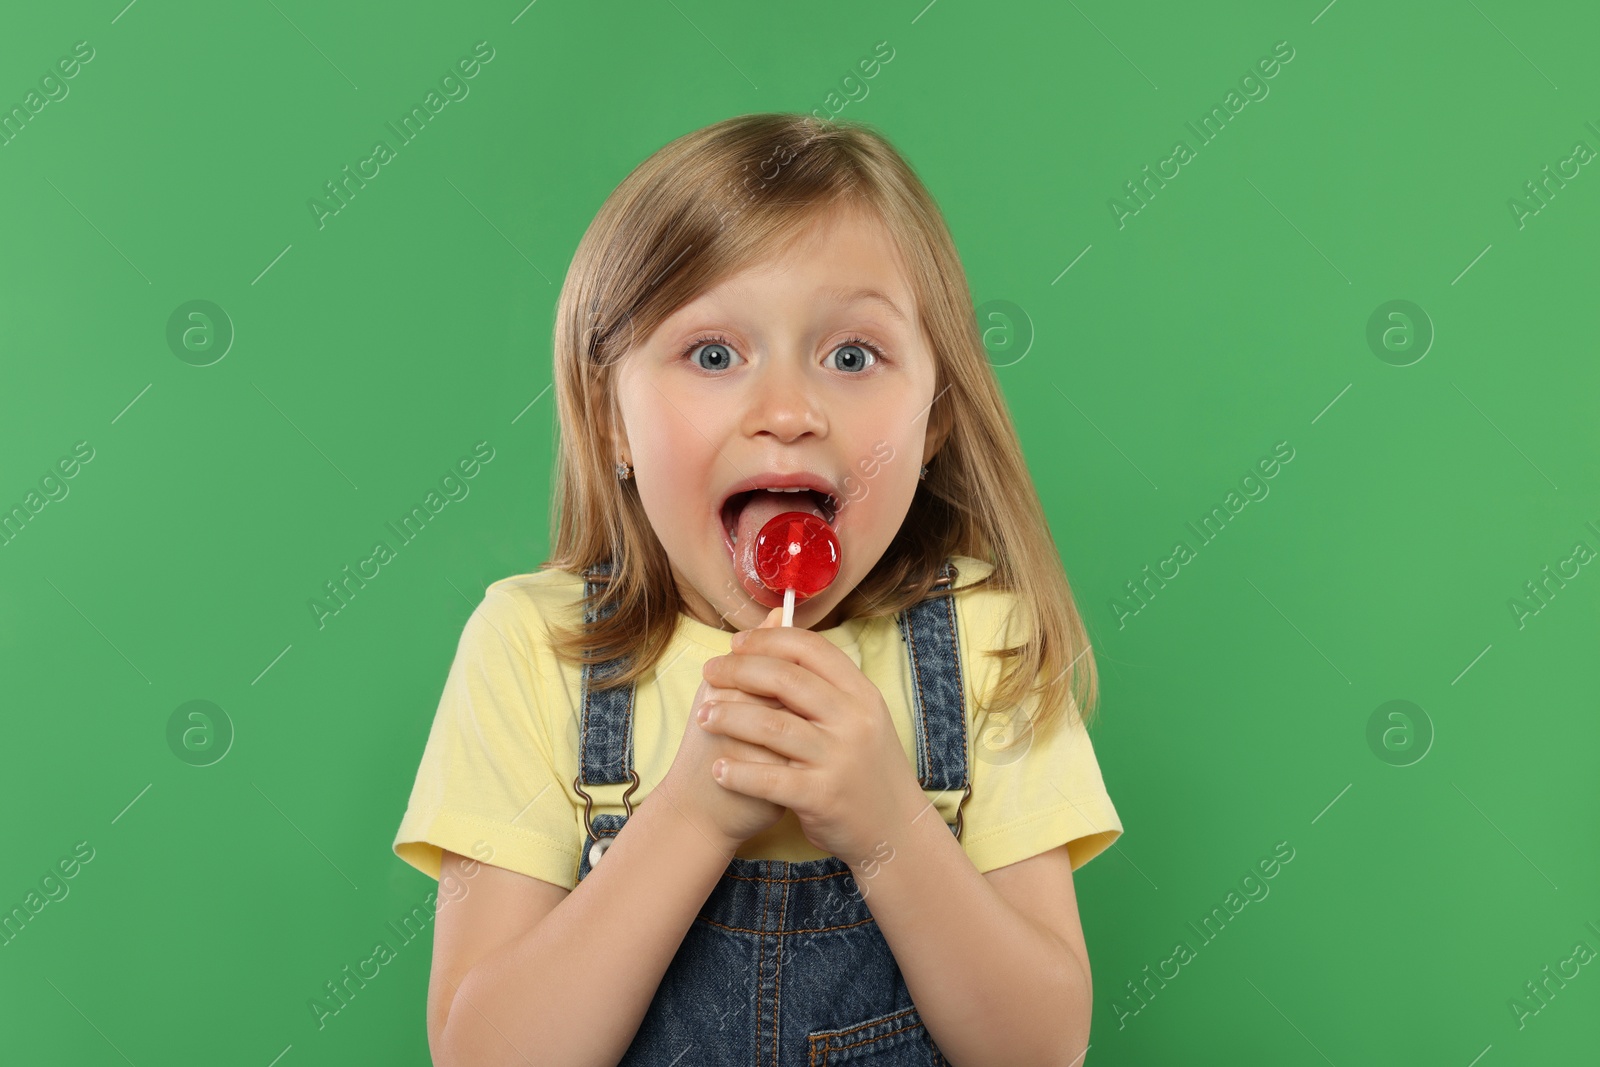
pixel 855 296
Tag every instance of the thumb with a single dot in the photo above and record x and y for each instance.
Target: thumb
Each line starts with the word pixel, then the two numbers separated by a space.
pixel 774 618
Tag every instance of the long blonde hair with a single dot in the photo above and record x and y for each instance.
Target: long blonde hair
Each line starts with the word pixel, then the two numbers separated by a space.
pixel 705 207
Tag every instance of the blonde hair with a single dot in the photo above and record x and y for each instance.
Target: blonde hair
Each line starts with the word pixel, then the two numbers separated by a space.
pixel 705 207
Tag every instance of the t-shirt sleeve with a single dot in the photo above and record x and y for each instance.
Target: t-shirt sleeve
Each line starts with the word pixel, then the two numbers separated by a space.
pixel 1032 789
pixel 487 786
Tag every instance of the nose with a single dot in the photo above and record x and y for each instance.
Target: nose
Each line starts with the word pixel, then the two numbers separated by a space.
pixel 783 400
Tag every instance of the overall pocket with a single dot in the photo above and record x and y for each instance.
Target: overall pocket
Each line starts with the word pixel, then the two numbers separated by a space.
pixel 898 1039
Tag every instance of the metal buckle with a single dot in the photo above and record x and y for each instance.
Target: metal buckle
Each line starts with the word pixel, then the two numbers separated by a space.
pixel 961 804
pixel 588 801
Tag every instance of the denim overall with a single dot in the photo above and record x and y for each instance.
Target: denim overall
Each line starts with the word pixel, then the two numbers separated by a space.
pixel 785 966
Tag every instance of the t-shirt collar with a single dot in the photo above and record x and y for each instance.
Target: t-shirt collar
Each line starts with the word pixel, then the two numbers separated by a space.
pixel 847 635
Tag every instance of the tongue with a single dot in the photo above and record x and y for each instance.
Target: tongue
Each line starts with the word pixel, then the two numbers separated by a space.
pixel 763 506
pixel 784 544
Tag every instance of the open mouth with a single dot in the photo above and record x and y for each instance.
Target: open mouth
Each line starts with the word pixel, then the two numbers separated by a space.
pixel 812 501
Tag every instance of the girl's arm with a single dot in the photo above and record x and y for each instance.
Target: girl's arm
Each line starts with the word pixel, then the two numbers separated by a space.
pixel 571 991
pixel 992 983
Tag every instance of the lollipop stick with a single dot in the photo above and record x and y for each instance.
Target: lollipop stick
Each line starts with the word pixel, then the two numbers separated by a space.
pixel 788 607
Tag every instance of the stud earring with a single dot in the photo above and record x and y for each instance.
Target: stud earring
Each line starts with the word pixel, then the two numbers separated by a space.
pixel 924 475
pixel 624 471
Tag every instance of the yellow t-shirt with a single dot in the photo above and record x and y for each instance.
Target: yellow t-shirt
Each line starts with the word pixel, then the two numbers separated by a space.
pixel 495 781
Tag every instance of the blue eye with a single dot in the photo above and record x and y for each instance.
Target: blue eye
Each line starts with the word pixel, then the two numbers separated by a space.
pixel 859 349
pixel 859 354
pixel 717 348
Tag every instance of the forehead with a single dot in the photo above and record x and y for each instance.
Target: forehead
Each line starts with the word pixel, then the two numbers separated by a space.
pixel 844 260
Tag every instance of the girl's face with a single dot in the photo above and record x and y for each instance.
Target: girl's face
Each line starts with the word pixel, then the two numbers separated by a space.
pixel 774 372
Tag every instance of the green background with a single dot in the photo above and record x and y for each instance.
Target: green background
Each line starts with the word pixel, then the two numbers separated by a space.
pixel 1440 863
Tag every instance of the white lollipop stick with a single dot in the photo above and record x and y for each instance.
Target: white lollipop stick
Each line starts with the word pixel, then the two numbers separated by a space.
pixel 788 607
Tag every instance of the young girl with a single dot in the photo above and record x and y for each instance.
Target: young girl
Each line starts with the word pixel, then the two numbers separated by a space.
pixel 670 830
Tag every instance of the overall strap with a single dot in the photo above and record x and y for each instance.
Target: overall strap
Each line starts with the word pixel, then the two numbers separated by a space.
pixel 605 754
pixel 938 700
pixel 606 730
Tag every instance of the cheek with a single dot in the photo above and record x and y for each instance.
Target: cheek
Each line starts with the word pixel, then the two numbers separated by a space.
pixel 673 461
pixel 665 487
pixel 674 421
pixel 654 425
pixel 883 477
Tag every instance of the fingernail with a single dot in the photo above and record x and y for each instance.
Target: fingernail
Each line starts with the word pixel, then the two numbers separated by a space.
pixel 737 639
pixel 717 768
pixel 704 714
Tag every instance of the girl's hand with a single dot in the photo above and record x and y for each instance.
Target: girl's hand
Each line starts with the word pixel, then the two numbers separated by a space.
pixel 846 778
pixel 726 819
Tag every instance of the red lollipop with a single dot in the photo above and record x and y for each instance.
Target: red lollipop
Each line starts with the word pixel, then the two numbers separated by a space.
pixel 796 554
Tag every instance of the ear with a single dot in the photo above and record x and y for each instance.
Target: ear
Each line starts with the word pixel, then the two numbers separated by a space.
pixel 940 418
pixel 616 438
pixel 613 434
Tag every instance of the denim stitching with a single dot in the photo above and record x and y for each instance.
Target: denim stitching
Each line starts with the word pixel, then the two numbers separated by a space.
pixel 589 589
pixel 766 897
pixel 777 1011
pixel 627 738
pixel 803 878
pixel 880 1037
pixel 825 1041
pixel 922 715
pixel 781 933
pixel 863 1026
pixel 961 694
pixel 921 696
